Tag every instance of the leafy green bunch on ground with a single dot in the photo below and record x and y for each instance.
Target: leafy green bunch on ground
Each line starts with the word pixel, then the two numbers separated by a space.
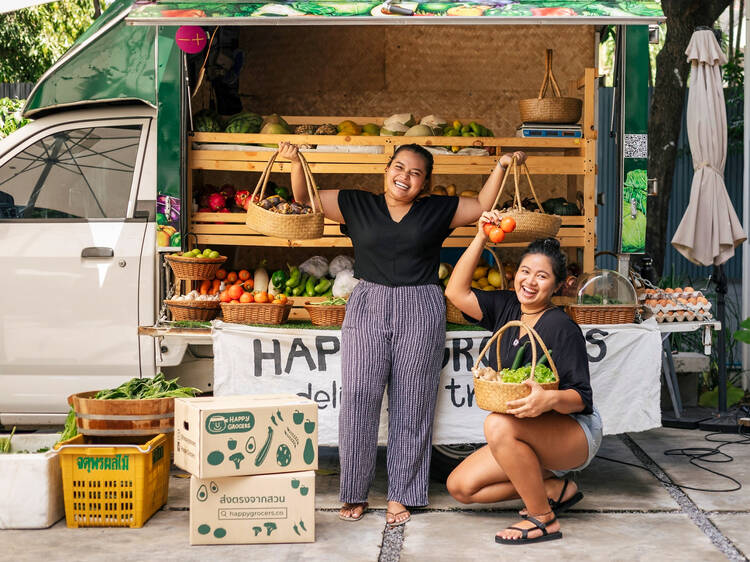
pixel 10 116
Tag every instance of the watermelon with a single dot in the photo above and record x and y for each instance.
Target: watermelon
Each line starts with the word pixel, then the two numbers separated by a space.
pixel 245 122
pixel 207 121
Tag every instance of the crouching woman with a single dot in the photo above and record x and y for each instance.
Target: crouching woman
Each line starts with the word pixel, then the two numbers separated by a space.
pixel 548 433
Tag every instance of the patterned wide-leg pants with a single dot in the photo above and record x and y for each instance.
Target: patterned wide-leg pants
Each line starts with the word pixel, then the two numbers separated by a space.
pixel 394 337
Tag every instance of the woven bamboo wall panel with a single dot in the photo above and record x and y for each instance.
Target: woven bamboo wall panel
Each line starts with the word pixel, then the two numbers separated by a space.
pixel 454 71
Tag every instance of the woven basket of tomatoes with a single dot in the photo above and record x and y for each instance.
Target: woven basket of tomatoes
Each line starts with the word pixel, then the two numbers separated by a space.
pixel 527 225
pixel 242 306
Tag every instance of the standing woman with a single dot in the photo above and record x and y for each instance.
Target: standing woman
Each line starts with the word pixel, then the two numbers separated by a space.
pixel 548 433
pixel 394 330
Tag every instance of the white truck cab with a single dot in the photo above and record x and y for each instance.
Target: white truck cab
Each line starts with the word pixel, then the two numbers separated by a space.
pixel 77 256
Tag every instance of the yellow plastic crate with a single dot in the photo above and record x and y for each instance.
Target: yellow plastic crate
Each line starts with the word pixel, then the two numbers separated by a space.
pixel 114 485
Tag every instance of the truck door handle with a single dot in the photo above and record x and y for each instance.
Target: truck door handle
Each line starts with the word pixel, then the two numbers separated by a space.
pixel 97 252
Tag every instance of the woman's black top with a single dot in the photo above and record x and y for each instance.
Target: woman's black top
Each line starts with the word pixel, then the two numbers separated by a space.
pixel 396 253
pixel 560 334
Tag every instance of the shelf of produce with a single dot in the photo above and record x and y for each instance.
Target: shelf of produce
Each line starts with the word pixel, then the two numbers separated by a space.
pixel 234 231
pixel 235 152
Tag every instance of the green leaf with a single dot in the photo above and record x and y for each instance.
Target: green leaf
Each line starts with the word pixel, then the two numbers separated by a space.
pixel 745 323
pixel 743 336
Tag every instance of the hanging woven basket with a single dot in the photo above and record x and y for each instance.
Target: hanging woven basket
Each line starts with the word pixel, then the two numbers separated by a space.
pixel 530 225
pixel 554 109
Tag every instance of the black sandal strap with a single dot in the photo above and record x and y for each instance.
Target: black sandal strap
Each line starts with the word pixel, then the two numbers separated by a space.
pixel 538 524
pixel 562 492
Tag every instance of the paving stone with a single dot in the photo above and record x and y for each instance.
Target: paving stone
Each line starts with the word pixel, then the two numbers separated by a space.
pixel 165 538
pixel 656 441
pixel 736 527
pixel 586 536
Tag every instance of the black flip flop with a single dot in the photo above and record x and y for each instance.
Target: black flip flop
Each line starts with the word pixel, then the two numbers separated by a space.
pixel 560 506
pixel 545 536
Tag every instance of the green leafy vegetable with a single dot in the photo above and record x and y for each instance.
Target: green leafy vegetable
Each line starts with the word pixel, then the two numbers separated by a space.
pixel 145 388
pixel 71 429
pixel 542 374
pixel 337 301
pixel 5 443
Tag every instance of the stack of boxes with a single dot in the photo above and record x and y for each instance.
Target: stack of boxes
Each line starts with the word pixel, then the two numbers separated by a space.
pixel 253 461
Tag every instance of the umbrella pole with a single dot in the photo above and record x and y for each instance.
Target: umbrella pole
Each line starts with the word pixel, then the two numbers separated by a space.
pixel 721 291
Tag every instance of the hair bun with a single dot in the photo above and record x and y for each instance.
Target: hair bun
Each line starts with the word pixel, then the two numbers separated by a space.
pixel 551 243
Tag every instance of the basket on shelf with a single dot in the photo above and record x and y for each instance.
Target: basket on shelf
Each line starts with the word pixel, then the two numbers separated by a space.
pixel 530 225
pixel 494 395
pixel 199 269
pixel 453 314
pixel 602 314
pixel 256 312
pixel 291 227
pixel 554 109
pixel 192 310
pixel 326 314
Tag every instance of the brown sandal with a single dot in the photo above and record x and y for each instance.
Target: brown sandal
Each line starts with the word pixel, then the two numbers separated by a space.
pixel 351 507
pixel 394 515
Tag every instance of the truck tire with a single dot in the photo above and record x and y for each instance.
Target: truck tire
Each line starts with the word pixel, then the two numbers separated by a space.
pixel 447 457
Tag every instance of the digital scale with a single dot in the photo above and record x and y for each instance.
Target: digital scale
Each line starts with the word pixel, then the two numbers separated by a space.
pixel 549 130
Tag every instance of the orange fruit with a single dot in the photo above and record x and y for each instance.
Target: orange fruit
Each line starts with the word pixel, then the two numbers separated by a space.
pixel 261 296
pixel 231 277
pixel 244 275
pixel 281 298
pixel 235 301
pixel 224 297
pixel 508 224
pixel 248 285
pixel 221 274
pixel 497 235
pixel 235 291
pixel 247 297
pixel 488 226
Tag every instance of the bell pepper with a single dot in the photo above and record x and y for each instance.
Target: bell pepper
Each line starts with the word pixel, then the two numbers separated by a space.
pixel 310 286
pixel 282 192
pixel 322 286
pixel 279 278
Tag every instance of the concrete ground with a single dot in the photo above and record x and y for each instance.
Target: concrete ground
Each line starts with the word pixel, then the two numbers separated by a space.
pixel 627 514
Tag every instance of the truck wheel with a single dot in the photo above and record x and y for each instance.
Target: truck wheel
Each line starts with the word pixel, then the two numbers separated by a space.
pixel 447 457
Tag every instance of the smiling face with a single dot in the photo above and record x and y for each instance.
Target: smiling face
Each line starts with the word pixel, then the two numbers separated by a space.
pixel 406 176
pixel 535 282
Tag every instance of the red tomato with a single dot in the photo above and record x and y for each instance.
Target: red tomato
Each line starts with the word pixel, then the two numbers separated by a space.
pixel 488 226
pixel 497 235
pixel 508 224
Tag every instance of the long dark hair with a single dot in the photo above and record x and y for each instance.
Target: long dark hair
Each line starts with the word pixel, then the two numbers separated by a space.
pixel 550 248
pixel 421 151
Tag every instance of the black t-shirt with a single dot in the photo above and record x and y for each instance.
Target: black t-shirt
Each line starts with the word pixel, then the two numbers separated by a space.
pixel 560 334
pixel 396 253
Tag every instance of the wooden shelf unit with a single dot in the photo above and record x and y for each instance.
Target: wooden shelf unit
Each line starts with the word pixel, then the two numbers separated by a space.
pixel 546 156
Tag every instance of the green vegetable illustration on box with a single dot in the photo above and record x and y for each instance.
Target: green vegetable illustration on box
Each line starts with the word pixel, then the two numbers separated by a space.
pixel 283 455
pixel 215 458
pixel 250 445
pixel 308 454
pixel 264 449
pixel 297 417
pixel 213 487
pixel 299 525
pixel 237 458
pixel 202 495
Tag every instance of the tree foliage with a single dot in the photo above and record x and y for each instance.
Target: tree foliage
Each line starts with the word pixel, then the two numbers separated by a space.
pixel 10 116
pixel 32 39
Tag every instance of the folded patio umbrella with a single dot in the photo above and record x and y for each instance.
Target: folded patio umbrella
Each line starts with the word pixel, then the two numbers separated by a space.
pixel 710 230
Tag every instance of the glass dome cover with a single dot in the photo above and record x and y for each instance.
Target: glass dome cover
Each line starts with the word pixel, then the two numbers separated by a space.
pixel 605 287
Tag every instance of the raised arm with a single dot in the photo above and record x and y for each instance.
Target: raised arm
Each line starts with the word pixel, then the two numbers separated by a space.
pixel 459 285
pixel 329 198
pixel 470 208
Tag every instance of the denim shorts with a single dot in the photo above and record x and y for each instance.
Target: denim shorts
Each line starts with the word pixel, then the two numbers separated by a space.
pixel 592 427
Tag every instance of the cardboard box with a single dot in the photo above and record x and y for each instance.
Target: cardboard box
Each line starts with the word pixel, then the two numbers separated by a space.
pixel 272 508
pixel 244 435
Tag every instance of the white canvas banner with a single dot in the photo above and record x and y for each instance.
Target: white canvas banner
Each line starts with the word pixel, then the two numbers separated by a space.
pixel 625 363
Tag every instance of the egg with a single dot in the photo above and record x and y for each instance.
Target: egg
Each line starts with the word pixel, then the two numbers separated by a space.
pixel 668 290
pixel 689 290
pixel 677 290
pixel 693 300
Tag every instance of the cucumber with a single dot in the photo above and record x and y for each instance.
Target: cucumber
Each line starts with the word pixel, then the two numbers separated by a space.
pixel 519 356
